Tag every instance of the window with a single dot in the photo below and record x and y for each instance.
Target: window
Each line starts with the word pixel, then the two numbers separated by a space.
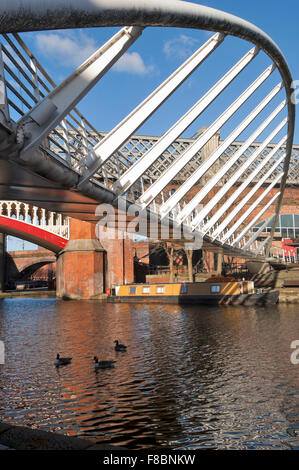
pixel 146 290
pixel 287 226
pixel 160 290
pixel 184 290
pixel 132 290
pixel 284 233
pixel 286 220
pixel 215 289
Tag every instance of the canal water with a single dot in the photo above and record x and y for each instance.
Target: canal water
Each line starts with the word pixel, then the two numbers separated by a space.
pixel 192 377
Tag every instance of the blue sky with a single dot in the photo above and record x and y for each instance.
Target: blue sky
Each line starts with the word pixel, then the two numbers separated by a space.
pixel 157 53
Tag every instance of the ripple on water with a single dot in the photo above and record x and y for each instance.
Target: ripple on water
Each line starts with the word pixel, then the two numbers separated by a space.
pixel 192 377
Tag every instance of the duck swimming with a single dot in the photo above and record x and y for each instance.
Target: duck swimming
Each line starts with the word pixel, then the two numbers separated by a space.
pixel 103 364
pixel 62 361
pixel 119 347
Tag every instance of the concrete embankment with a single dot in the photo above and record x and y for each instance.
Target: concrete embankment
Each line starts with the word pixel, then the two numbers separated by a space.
pixel 289 296
pixel 22 438
pixel 286 281
pixel 46 293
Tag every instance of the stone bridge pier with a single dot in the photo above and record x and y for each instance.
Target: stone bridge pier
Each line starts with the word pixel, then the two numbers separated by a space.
pixel 86 268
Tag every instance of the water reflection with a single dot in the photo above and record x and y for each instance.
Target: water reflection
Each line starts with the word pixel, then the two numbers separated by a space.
pixel 192 377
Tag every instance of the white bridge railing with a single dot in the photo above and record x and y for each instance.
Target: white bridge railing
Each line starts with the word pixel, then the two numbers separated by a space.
pixel 42 218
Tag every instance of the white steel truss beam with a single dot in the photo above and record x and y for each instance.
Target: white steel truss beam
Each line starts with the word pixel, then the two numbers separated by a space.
pixel 152 192
pixel 244 201
pixel 226 187
pixel 49 112
pixel 244 185
pixel 202 169
pixel 254 205
pixel 261 247
pixel 257 234
pixel 193 204
pixel 144 163
pixel 122 132
pixel 4 110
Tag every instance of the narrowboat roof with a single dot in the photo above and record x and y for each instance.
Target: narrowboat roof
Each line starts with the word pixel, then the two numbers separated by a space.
pixel 181 282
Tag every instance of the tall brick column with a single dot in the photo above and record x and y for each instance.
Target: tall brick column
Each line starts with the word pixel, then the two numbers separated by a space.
pixel 81 266
pixel 120 258
pixel 219 262
pixel 208 260
pixel 2 261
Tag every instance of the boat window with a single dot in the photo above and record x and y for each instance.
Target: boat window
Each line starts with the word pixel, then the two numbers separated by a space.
pixel 160 290
pixel 184 290
pixel 146 290
pixel 215 289
pixel 132 290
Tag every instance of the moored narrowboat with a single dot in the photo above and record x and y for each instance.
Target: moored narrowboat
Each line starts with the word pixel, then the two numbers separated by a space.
pixel 213 291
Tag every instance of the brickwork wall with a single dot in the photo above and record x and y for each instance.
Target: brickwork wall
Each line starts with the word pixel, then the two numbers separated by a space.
pixel 25 258
pixel 80 275
pixel 142 251
pixel 32 262
pixel 290 201
pixel 120 258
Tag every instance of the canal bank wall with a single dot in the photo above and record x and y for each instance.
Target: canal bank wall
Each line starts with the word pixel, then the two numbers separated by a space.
pixel 28 293
pixel 23 438
pixel 288 296
pixel 45 293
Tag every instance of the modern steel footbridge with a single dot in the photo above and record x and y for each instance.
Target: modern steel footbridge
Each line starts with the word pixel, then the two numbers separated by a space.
pixel 217 184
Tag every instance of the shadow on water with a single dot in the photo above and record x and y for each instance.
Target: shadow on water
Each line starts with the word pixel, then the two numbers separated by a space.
pixel 192 377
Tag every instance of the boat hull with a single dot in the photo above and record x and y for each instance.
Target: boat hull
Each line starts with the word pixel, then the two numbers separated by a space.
pixel 261 299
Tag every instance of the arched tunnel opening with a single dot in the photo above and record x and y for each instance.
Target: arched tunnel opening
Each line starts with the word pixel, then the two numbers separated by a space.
pixel 25 265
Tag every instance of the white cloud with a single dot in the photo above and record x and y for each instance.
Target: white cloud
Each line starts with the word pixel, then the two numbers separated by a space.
pixel 181 46
pixel 71 50
pixel 66 48
pixel 132 62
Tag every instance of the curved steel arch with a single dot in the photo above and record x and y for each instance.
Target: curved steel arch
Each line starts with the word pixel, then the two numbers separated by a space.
pixel 33 234
pixel 61 14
